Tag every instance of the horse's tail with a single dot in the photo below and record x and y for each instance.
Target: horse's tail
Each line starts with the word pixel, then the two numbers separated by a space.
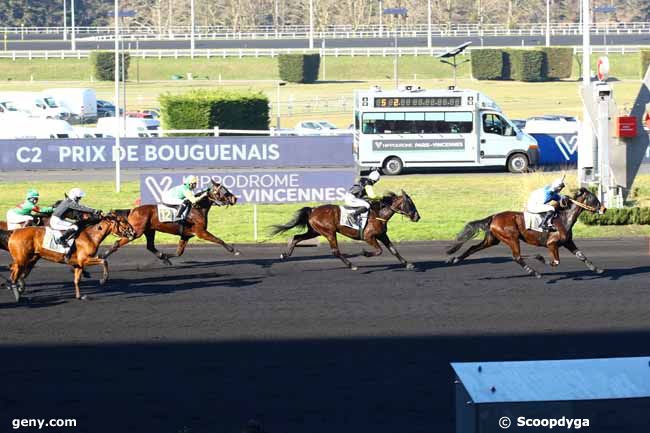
pixel 4 239
pixel 470 231
pixel 300 219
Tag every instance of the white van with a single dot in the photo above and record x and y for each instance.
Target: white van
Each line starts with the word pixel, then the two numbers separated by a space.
pixel 81 103
pixel 30 127
pixel 412 127
pixel 135 127
pixel 36 105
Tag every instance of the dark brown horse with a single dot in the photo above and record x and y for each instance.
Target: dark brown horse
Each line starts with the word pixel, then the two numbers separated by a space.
pixel 26 248
pixel 144 220
pixel 510 228
pixel 325 221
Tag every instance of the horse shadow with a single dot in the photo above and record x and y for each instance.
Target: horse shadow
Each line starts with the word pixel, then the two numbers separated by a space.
pixel 586 275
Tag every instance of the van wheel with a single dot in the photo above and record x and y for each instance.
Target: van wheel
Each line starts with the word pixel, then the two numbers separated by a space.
pixel 517 163
pixel 393 166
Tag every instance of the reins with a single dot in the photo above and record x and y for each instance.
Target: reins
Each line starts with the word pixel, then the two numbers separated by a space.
pixel 584 206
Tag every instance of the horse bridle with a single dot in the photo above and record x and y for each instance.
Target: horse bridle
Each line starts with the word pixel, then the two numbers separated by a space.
pixel 215 201
pixel 584 206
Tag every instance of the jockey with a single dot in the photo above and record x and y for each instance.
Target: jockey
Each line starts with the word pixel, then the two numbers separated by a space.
pixel 546 201
pixel 71 203
pixel 23 214
pixel 182 197
pixel 357 196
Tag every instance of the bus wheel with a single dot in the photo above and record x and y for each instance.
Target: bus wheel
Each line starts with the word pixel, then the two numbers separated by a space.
pixel 393 166
pixel 517 163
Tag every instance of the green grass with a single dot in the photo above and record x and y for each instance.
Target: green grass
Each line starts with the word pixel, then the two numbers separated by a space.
pixel 445 203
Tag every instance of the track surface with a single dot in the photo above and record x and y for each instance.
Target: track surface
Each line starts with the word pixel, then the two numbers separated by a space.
pixel 303 345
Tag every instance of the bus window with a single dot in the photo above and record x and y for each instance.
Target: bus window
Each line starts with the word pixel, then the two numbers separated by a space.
pixel 459 122
pixel 371 123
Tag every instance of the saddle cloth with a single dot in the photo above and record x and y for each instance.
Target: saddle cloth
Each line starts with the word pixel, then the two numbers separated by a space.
pixel 533 221
pixel 348 221
pixel 49 241
pixel 167 214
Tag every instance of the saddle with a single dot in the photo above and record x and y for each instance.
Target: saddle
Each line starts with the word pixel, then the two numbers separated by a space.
pixel 533 221
pixel 49 241
pixel 167 214
pixel 348 220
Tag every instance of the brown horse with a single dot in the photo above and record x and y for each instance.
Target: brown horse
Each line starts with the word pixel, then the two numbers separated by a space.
pixel 325 221
pixel 144 220
pixel 26 248
pixel 510 228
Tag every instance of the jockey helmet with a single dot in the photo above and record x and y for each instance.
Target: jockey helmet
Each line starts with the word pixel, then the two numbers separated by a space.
pixel 76 194
pixel 191 179
pixel 32 193
pixel 374 176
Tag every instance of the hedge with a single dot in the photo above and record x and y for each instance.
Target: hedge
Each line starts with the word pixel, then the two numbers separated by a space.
pixel 207 109
pixel 558 63
pixel 299 68
pixel 488 64
pixel 645 62
pixel 526 65
pixel 618 217
pixel 104 65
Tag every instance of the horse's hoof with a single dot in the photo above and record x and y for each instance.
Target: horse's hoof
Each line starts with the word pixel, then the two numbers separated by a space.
pixel 410 266
pixel 599 271
pixel 452 260
pixel 537 275
pixel 84 298
pixel 283 256
pixel 14 289
pixel 103 281
pixel 354 268
pixel 236 253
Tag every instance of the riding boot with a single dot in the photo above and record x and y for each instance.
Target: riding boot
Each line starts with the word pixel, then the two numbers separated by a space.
pixel 181 226
pixel 356 215
pixel 546 224
pixel 63 240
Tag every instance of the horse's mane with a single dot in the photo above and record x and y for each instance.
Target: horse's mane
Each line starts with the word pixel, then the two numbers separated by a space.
pixel 385 201
pixel 121 212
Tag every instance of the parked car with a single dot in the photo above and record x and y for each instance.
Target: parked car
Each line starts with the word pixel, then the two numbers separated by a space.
pixel 135 127
pixel 81 103
pixel 30 127
pixel 36 105
pixel 318 127
pixel 551 123
pixel 519 123
pixel 105 109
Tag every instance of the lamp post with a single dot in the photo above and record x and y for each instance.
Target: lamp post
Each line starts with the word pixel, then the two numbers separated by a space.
pixel 548 23
pixel 396 13
pixel 192 17
pixel 72 33
pixel 381 19
pixel 277 104
pixel 429 42
pixel 65 20
pixel 311 24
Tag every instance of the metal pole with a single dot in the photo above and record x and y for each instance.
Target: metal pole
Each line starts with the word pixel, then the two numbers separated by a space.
pixel 604 189
pixel 429 42
pixel 192 30
pixel 277 106
pixel 381 19
pixel 395 66
pixel 548 23
pixel 65 20
pixel 276 20
pixel 311 24
pixel 116 151
pixel 72 33
pixel 587 145
pixel 322 57
pixel 170 19
pixel 123 66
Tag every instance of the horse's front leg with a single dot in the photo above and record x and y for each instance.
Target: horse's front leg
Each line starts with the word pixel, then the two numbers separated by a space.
pixel 151 246
pixel 207 236
pixel 386 241
pixel 553 250
pixel 116 246
pixel 571 246
pixel 372 241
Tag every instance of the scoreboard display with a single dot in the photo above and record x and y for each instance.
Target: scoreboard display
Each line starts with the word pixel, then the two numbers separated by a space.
pixel 410 102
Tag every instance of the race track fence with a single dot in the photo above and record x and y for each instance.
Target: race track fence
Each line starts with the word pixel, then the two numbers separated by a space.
pixel 274 52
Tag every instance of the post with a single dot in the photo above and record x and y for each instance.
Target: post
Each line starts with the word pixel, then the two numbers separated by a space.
pixel 548 23
pixel 311 24
pixel 322 57
pixel 65 20
pixel 586 139
pixel 192 29
pixel 395 71
pixel 429 42
pixel 381 19
pixel 116 151
pixel 277 106
pixel 73 38
pixel 123 66
pixel 255 222
pixel 604 187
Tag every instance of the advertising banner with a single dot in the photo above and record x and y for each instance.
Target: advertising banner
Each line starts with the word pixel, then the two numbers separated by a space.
pixel 182 152
pixel 557 149
pixel 273 186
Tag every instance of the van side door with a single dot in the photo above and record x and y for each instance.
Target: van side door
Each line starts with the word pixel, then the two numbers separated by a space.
pixel 497 138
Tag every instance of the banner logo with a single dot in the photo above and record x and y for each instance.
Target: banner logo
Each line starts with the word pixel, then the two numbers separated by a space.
pixel 567 148
pixel 158 186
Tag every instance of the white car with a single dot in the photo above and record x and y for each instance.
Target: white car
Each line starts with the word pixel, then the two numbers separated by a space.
pixel 318 127
pixel 30 127
pixel 135 127
pixel 551 124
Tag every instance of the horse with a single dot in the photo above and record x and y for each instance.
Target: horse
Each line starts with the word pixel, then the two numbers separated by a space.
pixel 25 246
pixel 509 227
pixel 144 220
pixel 325 221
